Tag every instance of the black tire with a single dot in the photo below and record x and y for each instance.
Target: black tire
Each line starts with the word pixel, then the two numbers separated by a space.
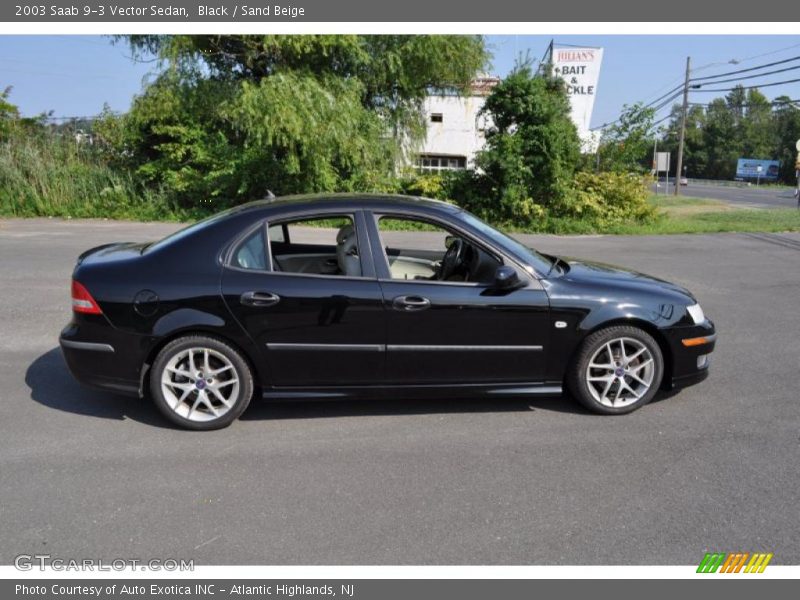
pixel 239 364
pixel 576 377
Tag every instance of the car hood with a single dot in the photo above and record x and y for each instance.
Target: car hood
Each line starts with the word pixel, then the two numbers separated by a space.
pixel 592 272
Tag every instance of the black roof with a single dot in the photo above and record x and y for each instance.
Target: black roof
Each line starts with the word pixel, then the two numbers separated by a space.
pixel 346 201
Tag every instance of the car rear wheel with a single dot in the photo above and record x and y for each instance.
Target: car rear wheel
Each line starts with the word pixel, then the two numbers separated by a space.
pixel 201 383
pixel 617 370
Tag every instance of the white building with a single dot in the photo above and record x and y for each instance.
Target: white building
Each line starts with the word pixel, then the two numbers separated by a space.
pixel 455 130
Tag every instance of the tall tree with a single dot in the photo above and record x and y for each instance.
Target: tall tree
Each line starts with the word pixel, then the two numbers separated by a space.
pixel 231 116
pixel 722 140
pixel 625 146
pixel 695 154
pixel 532 148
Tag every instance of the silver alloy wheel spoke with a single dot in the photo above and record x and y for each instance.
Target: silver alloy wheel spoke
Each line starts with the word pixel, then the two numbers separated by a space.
pixel 194 405
pixel 620 372
pixel 181 372
pixel 636 377
pixel 200 384
pixel 637 354
pixel 220 397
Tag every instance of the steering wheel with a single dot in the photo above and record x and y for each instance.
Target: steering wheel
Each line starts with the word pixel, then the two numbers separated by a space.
pixel 452 260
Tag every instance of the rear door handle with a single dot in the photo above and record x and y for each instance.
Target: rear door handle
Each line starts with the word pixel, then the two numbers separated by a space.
pixel 259 299
pixel 410 303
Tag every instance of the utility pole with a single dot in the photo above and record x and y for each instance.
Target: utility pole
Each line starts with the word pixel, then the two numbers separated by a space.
pixel 679 168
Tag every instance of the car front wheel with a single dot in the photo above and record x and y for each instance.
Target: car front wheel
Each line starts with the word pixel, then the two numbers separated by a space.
pixel 201 383
pixel 617 370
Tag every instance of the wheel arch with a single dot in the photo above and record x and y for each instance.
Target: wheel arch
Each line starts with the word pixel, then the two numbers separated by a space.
pixel 144 377
pixel 643 324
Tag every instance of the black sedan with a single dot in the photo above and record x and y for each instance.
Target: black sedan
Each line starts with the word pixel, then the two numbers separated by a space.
pixel 368 296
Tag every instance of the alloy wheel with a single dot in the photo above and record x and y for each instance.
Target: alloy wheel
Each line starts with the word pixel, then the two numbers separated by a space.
pixel 620 372
pixel 200 384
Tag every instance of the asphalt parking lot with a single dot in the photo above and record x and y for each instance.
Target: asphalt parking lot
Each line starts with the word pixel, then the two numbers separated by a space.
pixel 714 467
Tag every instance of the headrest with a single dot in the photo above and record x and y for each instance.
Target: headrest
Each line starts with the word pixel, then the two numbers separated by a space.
pixel 344 233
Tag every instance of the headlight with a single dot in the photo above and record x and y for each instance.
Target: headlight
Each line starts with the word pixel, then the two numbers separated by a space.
pixel 696 313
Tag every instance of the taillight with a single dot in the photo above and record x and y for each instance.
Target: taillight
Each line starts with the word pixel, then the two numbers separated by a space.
pixel 82 300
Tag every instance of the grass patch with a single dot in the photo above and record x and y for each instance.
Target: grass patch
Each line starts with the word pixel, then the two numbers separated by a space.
pixel 44 175
pixel 684 215
pixel 703 215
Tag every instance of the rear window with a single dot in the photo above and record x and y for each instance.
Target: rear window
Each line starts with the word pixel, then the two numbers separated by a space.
pixel 187 231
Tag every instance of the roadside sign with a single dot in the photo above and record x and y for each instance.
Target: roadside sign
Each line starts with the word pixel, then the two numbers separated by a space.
pixel 752 168
pixel 662 162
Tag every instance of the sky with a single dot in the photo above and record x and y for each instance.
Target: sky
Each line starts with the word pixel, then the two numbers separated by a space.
pixel 77 75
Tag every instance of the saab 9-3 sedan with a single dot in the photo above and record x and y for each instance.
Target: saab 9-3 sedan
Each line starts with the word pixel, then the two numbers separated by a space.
pixel 369 296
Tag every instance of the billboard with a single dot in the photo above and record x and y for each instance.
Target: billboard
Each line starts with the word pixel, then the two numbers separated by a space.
pixel 580 70
pixel 754 168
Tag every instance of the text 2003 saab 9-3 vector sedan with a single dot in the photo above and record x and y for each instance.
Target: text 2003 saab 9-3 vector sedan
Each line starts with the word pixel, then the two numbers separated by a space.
pixel 251 302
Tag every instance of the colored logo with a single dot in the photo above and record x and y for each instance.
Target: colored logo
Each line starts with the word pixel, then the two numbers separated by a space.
pixel 734 562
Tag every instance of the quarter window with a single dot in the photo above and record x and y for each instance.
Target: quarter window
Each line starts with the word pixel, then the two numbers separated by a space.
pixel 252 252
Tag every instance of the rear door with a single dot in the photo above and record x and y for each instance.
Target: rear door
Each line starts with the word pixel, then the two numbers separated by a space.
pixel 320 328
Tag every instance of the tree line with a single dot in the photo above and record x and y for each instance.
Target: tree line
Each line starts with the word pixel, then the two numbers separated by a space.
pixel 742 124
pixel 227 118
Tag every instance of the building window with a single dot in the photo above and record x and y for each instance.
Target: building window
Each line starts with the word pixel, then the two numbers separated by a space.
pixel 433 163
pixel 437 118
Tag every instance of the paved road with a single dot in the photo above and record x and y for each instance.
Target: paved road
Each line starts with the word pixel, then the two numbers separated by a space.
pixel 744 197
pixel 84 473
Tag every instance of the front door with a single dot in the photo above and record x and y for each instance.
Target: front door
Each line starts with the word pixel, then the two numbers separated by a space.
pixel 459 328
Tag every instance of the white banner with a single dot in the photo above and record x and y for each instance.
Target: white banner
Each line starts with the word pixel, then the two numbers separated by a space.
pixel 580 70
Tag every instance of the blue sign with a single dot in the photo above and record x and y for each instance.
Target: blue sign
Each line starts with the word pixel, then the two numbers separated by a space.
pixel 754 168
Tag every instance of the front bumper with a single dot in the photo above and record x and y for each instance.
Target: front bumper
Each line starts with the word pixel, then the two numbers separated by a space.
pixel 690 363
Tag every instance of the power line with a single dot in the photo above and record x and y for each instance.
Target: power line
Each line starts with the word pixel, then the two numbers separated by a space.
pixel 655 109
pixel 661 120
pixel 674 93
pixel 669 100
pixel 759 67
pixel 747 87
pixel 756 75
pixel 677 89
pixel 662 88
pixel 749 58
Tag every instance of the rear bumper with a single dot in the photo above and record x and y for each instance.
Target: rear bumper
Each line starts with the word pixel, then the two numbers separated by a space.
pixel 100 357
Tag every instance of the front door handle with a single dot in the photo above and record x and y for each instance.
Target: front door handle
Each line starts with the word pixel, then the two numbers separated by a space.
pixel 259 299
pixel 410 303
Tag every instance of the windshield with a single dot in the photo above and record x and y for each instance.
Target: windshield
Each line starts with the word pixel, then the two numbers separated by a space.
pixel 530 256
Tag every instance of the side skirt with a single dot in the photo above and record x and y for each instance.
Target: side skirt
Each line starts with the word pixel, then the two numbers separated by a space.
pixel 400 392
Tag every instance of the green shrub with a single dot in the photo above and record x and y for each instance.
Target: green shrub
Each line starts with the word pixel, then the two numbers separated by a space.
pixel 426 185
pixel 604 199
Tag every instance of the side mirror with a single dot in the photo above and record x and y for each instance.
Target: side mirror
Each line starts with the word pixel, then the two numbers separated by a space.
pixel 506 278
